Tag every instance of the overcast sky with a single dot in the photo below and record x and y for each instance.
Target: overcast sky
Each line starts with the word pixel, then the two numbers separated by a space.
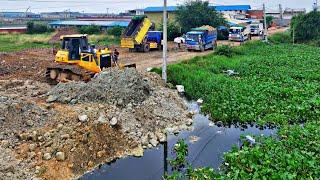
pixel 115 6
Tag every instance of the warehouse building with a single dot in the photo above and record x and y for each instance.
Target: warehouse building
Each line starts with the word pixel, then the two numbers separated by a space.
pixel 102 24
pixel 235 11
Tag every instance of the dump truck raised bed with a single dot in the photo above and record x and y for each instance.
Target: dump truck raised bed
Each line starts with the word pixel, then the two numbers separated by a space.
pixel 139 37
pixel 201 38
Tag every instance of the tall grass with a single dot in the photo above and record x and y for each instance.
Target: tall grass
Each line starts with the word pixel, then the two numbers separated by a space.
pixel 18 42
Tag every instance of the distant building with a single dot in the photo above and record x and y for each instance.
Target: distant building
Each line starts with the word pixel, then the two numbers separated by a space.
pixel 234 11
pixel 274 13
pixel 60 15
pixel 133 12
pixel 12 15
pixel 74 23
pixel 13 29
pixel 255 14
pixel 289 13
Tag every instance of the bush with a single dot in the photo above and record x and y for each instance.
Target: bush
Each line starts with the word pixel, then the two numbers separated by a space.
pixel 226 50
pixel 280 38
pixel 115 31
pixel 92 29
pixel 306 27
pixel 37 28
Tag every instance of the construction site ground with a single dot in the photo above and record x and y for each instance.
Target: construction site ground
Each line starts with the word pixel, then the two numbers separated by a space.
pixel 63 131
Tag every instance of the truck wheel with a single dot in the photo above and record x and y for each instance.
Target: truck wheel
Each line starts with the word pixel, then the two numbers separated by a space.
pixel 214 45
pixel 146 48
pixel 202 48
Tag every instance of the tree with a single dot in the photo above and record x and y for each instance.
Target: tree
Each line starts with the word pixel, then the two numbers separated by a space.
pixel 37 28
pixel 198 13
pixel 174 30
pixel 115 31
pixel 269 20
pixel 306 27
pixel 92 29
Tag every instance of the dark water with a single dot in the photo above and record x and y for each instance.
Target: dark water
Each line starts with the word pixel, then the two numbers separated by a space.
pixel 212 142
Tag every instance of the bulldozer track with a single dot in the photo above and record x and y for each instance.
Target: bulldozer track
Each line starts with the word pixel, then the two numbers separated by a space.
pixel 65 73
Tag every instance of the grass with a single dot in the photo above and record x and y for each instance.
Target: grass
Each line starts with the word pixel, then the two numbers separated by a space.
pixel 276 84
pixel 104 40
pixel 18 42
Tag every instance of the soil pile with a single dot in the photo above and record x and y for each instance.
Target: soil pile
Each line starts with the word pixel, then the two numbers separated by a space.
pixel 61 32
pixel 66 130
pixel 112 86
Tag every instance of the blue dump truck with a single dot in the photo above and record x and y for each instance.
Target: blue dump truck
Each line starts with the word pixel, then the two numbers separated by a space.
pixel 201 38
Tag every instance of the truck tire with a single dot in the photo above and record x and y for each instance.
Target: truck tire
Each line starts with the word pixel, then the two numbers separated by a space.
pixel 202 48
pixel 146 47
pixel 214 45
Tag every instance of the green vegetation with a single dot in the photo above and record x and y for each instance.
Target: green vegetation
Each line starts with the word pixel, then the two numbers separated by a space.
pixel 115 31
pixel 294 154
pixel 271 84
pixel 37 28
pixel 18 42
pixel 280 38
pixel 173 28
pixel 197 13
pixel 104 40
pixel 306 27
pixel 92 29
pixel 269 20
pixel 226 50
pixel 276 84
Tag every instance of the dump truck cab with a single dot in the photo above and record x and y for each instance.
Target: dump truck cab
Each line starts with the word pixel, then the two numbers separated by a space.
pixel 256 29
pixel 201 38
pixel 239 33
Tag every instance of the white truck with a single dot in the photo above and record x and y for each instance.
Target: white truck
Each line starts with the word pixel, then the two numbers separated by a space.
pixel 239 33
pixel 256 29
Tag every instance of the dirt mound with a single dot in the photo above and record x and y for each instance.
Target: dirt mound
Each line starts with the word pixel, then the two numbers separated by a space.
pixel 61 32
pixel 74 127
pixel 112 86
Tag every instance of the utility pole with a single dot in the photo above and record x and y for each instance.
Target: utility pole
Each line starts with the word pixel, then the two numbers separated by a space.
pixel 265 23
pixel 293 34
pixel 165 41
pixel 281 12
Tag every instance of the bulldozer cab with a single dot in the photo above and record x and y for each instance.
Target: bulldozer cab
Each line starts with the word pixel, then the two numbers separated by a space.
pixel 75 45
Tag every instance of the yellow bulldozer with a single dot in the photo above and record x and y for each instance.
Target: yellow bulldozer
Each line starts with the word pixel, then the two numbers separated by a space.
pixel 79 61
